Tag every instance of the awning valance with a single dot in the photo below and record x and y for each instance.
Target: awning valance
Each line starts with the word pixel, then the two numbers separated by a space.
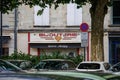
pixel 55 45
pixel 5 39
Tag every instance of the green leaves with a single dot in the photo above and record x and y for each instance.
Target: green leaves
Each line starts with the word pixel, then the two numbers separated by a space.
pixel 6 5
pixel 9 5
pixel 110 3
pixel 40 12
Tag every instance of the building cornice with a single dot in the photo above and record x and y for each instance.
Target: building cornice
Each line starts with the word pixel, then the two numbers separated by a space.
pixel 50 30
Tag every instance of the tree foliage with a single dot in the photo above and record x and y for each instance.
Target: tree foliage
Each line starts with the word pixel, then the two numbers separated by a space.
pixel 9 5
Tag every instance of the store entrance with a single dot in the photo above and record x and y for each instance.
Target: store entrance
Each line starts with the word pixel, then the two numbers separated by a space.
pixel 114 51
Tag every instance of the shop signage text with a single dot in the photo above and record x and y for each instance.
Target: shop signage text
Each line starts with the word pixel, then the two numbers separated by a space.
pixel 56 36
pixel 57 46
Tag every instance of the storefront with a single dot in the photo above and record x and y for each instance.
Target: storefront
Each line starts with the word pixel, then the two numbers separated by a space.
pixel 48 42
pixel 4 45
pixel 114 47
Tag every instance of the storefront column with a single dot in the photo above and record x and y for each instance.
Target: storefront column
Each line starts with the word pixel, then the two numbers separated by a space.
pixel 38 52
pixel 88 47
pixel 28 43
pixel 78 51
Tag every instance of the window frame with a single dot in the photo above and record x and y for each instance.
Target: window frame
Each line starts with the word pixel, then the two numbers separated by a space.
pixel 115 17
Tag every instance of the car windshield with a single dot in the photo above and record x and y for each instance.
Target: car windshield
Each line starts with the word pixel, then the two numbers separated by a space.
pixel 17 63
pixel 8 66
pixel 54 65
pixel 117 64
pixel 89 66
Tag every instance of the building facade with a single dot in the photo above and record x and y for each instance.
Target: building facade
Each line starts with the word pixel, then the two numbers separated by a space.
pixel 58 30
pixel 54 31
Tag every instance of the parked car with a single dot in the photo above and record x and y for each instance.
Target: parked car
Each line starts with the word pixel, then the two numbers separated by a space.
pixel 115 67
pixel 93 66
pixel 23 64
pixel 55 64
pixel 59 75
pixel 6 66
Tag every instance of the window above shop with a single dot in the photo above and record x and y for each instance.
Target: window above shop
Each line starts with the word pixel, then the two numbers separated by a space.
pixel 41 20
pixel 74 15
pixel 116 12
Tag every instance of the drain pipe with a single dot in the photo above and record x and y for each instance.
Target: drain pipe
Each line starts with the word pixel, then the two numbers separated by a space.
pixel 1 51
pixel 15 30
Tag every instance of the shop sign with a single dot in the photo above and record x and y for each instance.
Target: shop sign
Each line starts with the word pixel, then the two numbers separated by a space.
pixel 84 39
pixel 84 27
pixel 56 37
pixel 57 46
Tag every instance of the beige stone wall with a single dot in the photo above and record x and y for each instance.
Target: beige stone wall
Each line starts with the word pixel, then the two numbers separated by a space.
pixel 106 46
pixel 22 42
pixel 57 17
pixel 8 20
pixel 108 18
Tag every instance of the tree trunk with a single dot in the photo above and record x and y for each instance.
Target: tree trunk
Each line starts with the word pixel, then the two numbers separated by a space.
pixel 97 11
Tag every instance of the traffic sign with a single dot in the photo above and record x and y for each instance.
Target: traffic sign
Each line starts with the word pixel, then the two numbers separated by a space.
pixel 84 39
pixel 84 27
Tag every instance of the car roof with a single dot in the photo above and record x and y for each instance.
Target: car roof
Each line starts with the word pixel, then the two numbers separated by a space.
pixel 93 62
pixel 56 60
pixel 16 60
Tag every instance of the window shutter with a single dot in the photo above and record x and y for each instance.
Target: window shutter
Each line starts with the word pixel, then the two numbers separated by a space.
pixel 74 15
pixel 41 20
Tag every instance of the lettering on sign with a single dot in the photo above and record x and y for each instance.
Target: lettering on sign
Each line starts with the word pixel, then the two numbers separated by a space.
pixel 72 34
pixel 52 46
pixel 55 37
pixel 57 46
pixel 84 39
pixel 58 36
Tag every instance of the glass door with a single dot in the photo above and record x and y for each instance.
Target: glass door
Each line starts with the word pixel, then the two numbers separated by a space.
pixel 115 52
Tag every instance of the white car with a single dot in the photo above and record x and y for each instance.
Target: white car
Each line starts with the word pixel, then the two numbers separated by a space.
pixel 93 66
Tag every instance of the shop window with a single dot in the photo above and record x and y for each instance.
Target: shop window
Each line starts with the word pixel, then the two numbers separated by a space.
pixel 116 11
pixel 5 51
pixel 5 26
pixel 41 20
pixel 74 15
pixel 71 54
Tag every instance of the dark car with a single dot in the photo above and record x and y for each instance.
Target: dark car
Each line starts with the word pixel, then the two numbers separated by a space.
pixel 116 67
pixel 55 64
pixel 23 64
pixel 6 66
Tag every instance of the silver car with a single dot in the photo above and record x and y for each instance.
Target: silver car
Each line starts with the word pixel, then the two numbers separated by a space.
pixel 6 66
pixel 93 66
